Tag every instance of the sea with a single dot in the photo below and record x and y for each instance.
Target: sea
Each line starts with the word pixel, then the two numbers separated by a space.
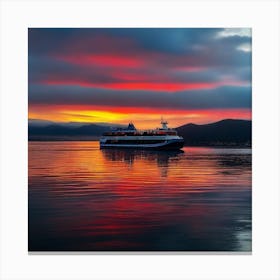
pixel 83 199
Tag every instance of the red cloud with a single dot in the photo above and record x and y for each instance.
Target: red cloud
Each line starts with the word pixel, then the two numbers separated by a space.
pixel 103 60
pixel 153 86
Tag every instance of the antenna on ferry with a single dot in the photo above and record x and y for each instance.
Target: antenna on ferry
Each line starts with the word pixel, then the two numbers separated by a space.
pixel 164 124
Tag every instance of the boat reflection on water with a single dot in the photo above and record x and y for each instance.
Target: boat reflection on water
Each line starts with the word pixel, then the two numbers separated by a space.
pixel 129 156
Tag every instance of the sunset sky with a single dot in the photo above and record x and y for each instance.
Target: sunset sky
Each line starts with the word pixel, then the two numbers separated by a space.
pixel 118 75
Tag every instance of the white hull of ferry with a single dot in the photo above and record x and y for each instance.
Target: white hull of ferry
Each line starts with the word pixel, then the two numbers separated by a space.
pixel 166 144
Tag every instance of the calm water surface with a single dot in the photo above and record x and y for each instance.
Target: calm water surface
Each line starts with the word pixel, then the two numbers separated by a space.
pixel 85 199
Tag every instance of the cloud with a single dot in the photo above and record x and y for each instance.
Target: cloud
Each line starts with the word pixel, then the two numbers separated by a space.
pixel 149 67
pixel 246 47
pixel 228 32
pixel 222 97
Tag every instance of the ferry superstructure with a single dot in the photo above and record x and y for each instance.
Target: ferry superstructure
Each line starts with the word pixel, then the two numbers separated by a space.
pixel 163 138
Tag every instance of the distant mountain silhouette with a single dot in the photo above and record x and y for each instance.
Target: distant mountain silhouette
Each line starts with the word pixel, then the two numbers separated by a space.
pixel 39 123
pixel 225 132
pixel 65 132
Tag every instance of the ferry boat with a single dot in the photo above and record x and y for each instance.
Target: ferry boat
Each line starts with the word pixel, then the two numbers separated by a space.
pixel 163 138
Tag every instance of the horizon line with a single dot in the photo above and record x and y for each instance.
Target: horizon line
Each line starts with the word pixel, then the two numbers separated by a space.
pixel 108 123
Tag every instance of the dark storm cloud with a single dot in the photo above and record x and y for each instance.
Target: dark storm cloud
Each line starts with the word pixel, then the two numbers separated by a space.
pixel 178 43
pixel 71 57
pixel 165 40
pixel 43 68
pixel 223 97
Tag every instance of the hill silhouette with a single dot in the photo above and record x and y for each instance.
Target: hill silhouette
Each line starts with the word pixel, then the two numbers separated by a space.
pixel 227 132
pixel 64 132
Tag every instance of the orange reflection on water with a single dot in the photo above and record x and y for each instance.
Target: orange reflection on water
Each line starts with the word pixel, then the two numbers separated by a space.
pixel 84 198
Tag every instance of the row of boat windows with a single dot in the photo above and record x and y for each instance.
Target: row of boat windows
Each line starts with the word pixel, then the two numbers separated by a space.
pixel 134 141
pixel 119 133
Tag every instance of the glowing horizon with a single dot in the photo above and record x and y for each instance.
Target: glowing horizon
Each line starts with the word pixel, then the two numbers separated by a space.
pixel 142 121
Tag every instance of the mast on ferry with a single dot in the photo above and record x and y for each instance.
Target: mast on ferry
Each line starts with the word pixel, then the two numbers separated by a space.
pixel 164 123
